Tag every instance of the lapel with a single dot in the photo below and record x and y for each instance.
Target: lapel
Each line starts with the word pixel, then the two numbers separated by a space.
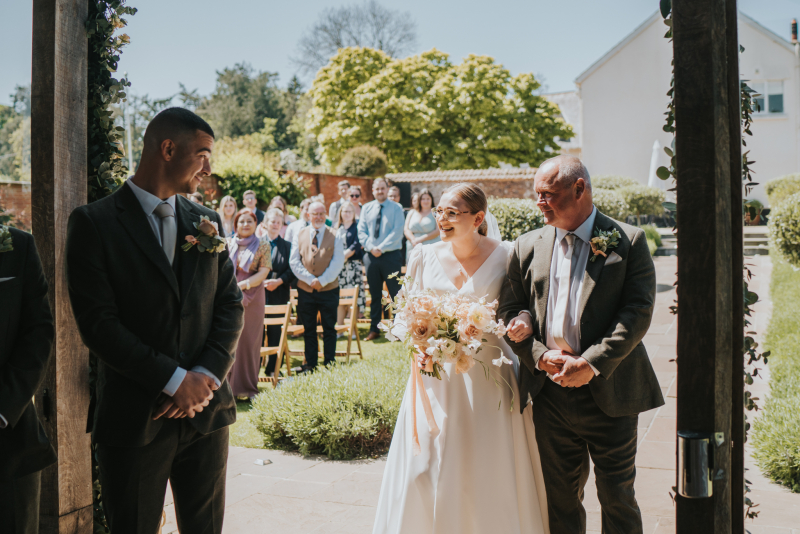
pixel 188 263
pixel 593 268
pixel 135 223
pixel 542 257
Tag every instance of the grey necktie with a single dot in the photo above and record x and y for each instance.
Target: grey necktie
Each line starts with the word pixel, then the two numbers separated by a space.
pixel 562 300
pixel 169 229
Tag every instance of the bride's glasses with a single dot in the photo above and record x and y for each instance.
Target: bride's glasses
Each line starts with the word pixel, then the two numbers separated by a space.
pixel 449 215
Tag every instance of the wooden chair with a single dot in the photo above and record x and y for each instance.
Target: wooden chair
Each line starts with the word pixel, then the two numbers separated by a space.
pixel 280 349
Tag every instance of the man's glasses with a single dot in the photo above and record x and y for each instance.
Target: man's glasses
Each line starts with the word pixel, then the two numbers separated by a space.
pixel 449 215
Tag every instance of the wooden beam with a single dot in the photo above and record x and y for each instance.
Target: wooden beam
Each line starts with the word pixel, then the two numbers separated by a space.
pixel 705 270
pixel 59 184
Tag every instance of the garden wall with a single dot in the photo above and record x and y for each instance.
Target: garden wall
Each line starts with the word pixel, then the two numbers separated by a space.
pixel 15 199
pixel 492 188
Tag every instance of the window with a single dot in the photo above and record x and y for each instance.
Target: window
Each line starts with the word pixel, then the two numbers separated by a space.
pixel 770 99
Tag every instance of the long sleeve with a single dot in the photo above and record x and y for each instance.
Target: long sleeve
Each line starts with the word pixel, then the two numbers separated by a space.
pixel 363 229
pixel 296 263
pixel 337 262
pixel 393 240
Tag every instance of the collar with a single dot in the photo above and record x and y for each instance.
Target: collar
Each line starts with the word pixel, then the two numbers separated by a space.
pixel 148 200
pixel 584 231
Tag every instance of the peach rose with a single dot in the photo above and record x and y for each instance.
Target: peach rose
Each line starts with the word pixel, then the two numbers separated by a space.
pixel 421 329
pixel 425 305
pixel 207 227
pixel 464 363
pixel 469 331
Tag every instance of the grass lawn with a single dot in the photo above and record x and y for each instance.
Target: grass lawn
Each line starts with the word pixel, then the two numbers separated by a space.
pixel 244 434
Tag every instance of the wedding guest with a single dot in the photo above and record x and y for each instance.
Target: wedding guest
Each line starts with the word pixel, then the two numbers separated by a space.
pixel 292 229
pixel 394 194
pixel 280 277
pixel 252 258
pixel 227 211
pixel 317 257
pixel 380 232
pixel 250 202
pixel 415 201
pixel 421 227
pixel 344 196
pixel 280 203
pixel 351 274
pixel 355 197
pixel 196 197
pixel 26 337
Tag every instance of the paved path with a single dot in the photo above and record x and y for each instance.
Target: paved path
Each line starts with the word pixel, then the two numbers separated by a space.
pixel 304 495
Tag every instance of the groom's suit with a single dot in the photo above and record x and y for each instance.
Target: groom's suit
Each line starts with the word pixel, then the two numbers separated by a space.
pixel 599 419
pixel 143 319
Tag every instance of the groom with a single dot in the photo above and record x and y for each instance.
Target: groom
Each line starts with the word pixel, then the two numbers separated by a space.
pixel 577 315
pixel 163 324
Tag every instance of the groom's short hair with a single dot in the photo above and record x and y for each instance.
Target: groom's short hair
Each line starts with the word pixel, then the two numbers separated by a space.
pixel 172 123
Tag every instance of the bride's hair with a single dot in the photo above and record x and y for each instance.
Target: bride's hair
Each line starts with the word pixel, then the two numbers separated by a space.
pixel 475 198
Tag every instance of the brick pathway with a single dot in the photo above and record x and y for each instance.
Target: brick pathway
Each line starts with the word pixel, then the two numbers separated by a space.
pixel 304 495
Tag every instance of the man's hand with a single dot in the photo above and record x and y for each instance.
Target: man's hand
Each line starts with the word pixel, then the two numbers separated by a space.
pixel 552 361
pixel 194 393
pixel 315 284
pixel 167 408
pixel 273 284
pixel 575 373
pixel 520 328
pixel 376 252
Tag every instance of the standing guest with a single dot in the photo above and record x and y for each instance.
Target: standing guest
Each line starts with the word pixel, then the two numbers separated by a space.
pixel 344 196
pixel 351 275
pixel 394 194
pixel 26 337
pixel 355 197
pixel 163 323
pixel 227 211
pixel 380 232
pixel 250 202
pixel 280 203
pixel 253 260
pixel 421 227
pixel 295 227
pixel 415 201
pixel 280 277
pixel 317 257
pixel 196 197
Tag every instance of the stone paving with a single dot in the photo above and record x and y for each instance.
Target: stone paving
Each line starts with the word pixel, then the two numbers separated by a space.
pixel 304 495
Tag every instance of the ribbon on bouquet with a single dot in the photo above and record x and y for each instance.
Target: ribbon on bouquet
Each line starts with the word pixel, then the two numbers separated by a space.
pixel 417 386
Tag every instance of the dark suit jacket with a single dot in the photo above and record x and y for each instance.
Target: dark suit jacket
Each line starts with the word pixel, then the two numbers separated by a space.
pixel 259 216
pixel 26 337
pixel 617 306
pixel 281 269
pixel 143 321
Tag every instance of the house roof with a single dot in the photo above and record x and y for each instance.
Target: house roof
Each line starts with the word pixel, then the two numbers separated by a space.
pixel 466 175
pixel 657 17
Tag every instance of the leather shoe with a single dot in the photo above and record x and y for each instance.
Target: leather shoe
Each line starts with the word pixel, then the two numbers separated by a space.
pixel 372 336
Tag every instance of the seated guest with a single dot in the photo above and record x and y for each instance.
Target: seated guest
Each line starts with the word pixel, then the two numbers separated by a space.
pixel 380 232
pixel 280 277
pixel 351 275
pixel 252 259
pixel 317 257
pixel 250 202
pixel 227 211
pixel 292 229
pixel 26 336
pixel 344 196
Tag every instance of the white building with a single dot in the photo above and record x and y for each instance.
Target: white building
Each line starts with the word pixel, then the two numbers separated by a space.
pixel 617 111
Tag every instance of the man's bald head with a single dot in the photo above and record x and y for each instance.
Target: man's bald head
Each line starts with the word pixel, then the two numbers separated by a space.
pixel 567 170
pixel 564 192
pixel 174 124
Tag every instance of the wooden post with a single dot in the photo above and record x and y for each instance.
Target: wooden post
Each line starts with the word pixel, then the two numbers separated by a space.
pixel 59 184
pixel 707 303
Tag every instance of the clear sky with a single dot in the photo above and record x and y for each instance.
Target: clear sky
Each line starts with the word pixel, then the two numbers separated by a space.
pixel 187 41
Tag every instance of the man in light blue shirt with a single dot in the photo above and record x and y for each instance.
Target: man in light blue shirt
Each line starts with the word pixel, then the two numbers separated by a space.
pixel 380 231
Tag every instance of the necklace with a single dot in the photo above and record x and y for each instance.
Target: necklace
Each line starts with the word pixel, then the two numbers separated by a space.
pixel 461 267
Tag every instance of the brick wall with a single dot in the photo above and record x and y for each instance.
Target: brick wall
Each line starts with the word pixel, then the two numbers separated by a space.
pixel 15 199
pixel 492 188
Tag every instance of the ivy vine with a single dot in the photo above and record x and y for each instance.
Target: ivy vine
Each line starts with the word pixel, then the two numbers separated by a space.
pixel 750 348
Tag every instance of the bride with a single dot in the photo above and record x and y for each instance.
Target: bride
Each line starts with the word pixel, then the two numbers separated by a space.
pixel 480 472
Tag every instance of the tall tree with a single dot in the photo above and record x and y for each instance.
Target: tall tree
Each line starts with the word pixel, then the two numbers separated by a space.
pixel 366 25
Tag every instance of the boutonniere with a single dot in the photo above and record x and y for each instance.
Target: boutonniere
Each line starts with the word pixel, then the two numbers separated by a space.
pixel 207 239
pixel 5 239
pixel 603 241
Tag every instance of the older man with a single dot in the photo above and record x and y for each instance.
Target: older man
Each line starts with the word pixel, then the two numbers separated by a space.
pixel 380 232
pixel 317 257
pixel 577 312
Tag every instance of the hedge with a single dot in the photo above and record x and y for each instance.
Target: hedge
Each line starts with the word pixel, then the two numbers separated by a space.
pixel 776 437
pixel 611 181
pixel 642 200
pixel 363 161
pixel 784 228
pixel 515 216
pixel 343 412
pixel 779 189
pixel 610 203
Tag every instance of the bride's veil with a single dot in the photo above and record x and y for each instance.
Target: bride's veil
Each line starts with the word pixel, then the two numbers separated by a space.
pixel 493 229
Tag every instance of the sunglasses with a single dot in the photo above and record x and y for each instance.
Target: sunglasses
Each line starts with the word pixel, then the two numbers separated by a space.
pixel 355 196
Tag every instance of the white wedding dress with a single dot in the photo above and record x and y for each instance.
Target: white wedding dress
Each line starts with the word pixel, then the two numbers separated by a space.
pixel 481 472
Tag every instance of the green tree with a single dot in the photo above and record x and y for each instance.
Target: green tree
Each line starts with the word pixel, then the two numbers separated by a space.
pixel 426 113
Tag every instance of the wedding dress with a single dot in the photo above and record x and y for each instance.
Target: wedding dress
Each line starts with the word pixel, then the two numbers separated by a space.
pixel 480 473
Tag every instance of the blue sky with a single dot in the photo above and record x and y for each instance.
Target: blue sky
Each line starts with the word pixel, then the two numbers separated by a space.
pixel 188 41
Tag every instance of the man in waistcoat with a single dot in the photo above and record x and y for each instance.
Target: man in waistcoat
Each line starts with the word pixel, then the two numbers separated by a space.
pixel 317 257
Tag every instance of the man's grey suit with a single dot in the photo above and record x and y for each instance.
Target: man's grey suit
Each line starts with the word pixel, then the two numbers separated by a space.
pixel 599 419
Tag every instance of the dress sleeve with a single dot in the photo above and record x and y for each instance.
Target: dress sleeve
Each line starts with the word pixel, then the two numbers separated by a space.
pixel 263 257
pixel 414 268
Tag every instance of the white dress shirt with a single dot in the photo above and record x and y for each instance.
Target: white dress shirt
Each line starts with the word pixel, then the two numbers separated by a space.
pixel 149 203
pixel 331 273
pixel 293 229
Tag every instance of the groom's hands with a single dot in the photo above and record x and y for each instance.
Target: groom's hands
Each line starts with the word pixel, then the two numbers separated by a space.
pixel 192 396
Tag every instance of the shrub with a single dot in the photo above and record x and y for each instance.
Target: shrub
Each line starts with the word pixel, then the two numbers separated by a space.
pixel 363 161
pixel 611 181
pixel 240 169
pixel 776 437
pixel 344 412
pixel 778 189
pixel 642 200
pixel 784 229
pixel 610 203
pixel 515 216
pixel 653 238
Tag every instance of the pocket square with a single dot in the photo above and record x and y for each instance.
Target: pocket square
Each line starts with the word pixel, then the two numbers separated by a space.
pixel 612 259
pixel 7 279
